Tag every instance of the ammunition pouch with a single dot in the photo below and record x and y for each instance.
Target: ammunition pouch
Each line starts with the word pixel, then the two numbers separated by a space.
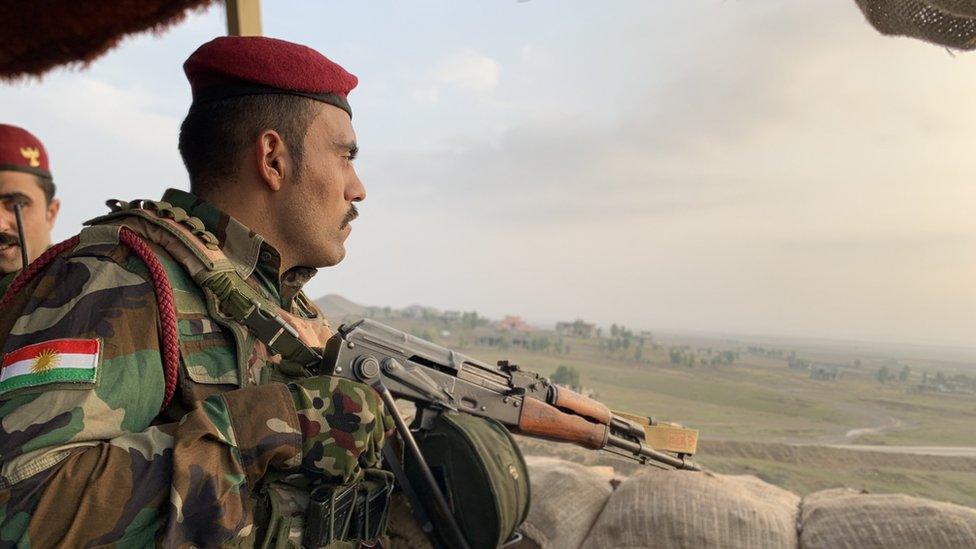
pixel 481 473
pixel 328 515
pixel 352 512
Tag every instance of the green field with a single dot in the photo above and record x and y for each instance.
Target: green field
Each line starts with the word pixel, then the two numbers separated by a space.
pixel 756 398
pixel 749 411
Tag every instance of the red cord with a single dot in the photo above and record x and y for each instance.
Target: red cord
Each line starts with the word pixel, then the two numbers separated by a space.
pixel 170 350
pixel 36 267
pixel 164 302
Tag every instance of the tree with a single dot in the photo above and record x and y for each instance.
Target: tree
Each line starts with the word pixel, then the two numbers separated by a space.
pixel 904 373
pixel 676 356
pixel 883 374
pixel 566 375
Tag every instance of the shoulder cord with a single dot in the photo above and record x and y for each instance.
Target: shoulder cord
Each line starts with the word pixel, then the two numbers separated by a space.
pixel 237 301
pixel 169 350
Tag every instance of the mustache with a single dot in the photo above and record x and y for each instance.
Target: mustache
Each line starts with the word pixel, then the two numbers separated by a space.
pixel 9 240
pixel 352 214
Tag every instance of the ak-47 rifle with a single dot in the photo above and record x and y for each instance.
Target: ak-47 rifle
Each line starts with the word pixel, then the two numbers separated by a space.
pixel 437 379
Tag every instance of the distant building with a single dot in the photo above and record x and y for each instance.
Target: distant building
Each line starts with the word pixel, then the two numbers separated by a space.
pixel 512 324
pixel 577 328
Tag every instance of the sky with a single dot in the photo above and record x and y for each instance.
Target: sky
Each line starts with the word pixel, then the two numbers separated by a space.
pixel 765 167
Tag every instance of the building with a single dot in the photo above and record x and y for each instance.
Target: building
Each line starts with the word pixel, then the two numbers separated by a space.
pixel 577 328
pixel 512 324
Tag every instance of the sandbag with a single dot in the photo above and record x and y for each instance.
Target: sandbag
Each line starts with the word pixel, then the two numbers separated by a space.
pixel 843 518
pixel 671 509
pixel 403 531
pixel 566 500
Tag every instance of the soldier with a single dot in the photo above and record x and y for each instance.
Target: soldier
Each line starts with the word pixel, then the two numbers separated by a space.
pixel 149 390
pixel 25 180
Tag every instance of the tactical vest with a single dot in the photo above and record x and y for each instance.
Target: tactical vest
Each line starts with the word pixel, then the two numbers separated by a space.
pixel 211 299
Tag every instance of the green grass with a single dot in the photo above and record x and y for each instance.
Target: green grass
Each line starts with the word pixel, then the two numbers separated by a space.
pixel 954 486
pixel 760 400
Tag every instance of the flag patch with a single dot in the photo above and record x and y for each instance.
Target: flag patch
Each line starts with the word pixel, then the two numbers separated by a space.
pixel 55 361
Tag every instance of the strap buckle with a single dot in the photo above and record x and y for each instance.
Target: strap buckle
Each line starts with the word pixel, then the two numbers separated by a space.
pixel 263 322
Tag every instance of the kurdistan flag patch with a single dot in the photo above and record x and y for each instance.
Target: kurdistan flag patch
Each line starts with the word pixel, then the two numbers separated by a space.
pixel 55 361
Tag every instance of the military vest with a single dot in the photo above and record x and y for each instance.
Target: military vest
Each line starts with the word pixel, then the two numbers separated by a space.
pixel 230 335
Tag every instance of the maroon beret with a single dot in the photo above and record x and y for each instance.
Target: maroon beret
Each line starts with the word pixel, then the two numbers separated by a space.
pixel 20 151
pixel 233 66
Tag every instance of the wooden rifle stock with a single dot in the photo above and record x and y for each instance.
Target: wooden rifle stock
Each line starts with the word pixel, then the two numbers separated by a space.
pixel 543 420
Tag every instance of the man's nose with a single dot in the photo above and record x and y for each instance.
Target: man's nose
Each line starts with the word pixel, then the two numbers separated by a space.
pixel 355 191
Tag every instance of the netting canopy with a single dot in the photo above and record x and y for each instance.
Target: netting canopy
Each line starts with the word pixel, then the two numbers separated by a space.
pixel 950 23
pixel 40 35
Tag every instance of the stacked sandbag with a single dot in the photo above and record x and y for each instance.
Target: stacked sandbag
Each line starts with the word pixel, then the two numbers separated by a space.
pixel 672 509
pixel 567 498
pixel 403 531
pixel 843 518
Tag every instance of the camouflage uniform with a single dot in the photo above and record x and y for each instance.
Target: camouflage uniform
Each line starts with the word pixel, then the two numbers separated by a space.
pixel 93 463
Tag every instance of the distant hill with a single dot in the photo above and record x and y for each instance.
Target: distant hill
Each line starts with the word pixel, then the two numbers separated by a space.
pixel 336 308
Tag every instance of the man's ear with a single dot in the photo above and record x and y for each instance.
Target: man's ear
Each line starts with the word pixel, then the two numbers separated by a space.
pixel 52 212
pixel 273 162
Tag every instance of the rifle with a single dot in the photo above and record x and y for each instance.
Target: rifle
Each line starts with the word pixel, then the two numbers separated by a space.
pixel 436 379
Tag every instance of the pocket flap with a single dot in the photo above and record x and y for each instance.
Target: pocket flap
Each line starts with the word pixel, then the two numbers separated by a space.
pixel 208 352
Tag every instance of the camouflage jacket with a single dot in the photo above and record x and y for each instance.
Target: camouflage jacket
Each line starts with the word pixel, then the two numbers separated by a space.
pixel 87 455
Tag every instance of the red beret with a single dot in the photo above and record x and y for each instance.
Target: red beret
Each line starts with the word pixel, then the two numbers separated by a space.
pixel 232 66
pixel 20 151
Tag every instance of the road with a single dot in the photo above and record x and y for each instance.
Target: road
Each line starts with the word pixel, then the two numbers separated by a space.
pixel 957 451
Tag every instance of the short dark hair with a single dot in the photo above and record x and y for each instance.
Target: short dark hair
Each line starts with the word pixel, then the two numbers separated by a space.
pixel 214 135
pixel 47 187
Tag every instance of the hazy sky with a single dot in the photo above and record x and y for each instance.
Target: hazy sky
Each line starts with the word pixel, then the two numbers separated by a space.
pixel 770 166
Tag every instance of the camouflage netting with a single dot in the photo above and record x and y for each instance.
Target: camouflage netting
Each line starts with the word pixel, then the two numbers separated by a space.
pixel 38 36
pixel 950 23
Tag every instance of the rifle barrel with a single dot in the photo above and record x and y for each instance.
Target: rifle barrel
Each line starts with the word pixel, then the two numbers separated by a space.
pixel 639 450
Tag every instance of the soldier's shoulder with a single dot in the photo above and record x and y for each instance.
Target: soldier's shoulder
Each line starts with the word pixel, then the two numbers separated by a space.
pixel 85 291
